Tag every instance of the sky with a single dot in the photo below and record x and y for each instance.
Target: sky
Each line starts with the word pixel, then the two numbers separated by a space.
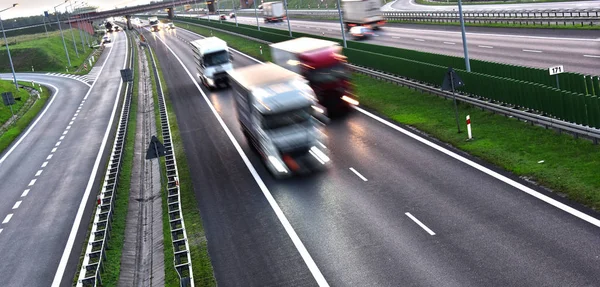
pixel 37 7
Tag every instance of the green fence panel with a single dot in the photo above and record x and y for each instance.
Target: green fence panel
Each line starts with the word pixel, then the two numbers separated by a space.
pixel 595 111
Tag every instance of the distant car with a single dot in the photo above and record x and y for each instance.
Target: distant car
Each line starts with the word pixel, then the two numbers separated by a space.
pixel 169 26
pixel 116 28
pixel 223 17
pixel 231 15
pixel 106 39
pixel 360 32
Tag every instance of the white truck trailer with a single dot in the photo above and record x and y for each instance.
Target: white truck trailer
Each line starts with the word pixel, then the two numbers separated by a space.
pixel 362 13
pixel 273 11
pixel 278 114
pixel 212 61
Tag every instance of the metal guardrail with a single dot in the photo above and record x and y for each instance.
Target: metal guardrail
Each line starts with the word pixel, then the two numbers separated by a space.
pixel 181 249
pixel 476 100
pixel 95 252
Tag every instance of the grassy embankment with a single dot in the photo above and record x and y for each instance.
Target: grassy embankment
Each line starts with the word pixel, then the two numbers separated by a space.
pixel 570 166
pixel 201 264
pixel 43 53
pixel 26 110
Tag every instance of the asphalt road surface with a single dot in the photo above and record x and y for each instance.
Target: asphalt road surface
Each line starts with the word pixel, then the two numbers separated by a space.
pixel 578 51
pixel 410 5
pixel 46 176
pixel 392 210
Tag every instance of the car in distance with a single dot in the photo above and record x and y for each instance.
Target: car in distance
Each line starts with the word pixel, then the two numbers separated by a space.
pixel 360 32
pixel 106 39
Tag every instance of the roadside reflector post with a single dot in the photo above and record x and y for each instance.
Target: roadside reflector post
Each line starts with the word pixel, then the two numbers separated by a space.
pixel 32 69
pixel 469 128
pixel 260 48
pixel 99 200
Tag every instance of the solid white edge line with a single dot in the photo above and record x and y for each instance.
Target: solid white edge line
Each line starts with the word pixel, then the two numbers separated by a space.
pixel 34 123
pixel 420 223
pixel 358 174
pixel 7 218
pixel 75 227
pixel 312 266
pixel 17 204
pixel 488 171
pixel 25 193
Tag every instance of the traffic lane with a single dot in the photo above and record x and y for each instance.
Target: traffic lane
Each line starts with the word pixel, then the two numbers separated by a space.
pixel 410 5
pixel 15 172
pixel 379 205
pixel 246 241
pixel 327 210
pixel 577 55
pixel 39 229
pixel 490 232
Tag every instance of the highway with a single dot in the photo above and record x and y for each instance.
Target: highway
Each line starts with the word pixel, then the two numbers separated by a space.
pixel 578 51
pixel 49 177
pixel 394 209
pixel 410 5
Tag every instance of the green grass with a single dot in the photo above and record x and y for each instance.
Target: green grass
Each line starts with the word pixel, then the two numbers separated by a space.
pixel 44 53
pixel 8 136
pixel 570 165
pixel 201 264
pixel 455 2
pixel 112 264
pixel 504 25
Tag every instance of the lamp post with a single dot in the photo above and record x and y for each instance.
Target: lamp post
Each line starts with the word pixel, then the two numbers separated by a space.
pixel 71 27
pixel 339 7
pixel 7 49
pixel 61 32
pixel 78 25
pixel 464 37
pixel 256 14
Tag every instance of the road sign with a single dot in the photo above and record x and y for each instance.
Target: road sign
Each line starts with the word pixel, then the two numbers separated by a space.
pixel 451 81
pixel 127 75
pixel 8 98
pixel 46 14
pixel 556 70
pixel 156 149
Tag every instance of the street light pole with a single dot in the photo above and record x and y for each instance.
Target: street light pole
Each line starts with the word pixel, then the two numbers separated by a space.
pixel 79 28
pixel 8 50
pixel 287 16
pixel 61 32
pixel 464 37
pixel 256 14
pixel 71 27
pixel 233 11
pixel 341 23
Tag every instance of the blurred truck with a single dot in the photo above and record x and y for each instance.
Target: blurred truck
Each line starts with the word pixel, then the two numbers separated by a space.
pixel 362 13
pixel 212 61
pixel 273 11
pixel 154 24
pixel 278 115
pixel 321 62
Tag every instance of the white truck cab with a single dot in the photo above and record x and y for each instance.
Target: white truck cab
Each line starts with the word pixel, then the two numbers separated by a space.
pixel 213 60
pixel 278 113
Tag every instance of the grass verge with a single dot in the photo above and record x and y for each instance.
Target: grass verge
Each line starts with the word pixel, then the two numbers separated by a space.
pixel 201 264
pixel 569 166
pixel 12 132
pixel 112 264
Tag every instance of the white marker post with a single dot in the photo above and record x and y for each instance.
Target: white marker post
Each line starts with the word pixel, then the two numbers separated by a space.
pixel 555 71
pixel 469 128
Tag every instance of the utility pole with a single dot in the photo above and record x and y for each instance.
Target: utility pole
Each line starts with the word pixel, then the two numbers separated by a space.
pixel 464 37
pixel 8 50
pixel 61 32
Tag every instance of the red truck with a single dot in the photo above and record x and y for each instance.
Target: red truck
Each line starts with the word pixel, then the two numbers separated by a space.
pixel 321 62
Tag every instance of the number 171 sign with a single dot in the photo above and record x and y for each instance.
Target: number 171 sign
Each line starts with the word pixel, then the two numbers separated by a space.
pixel 556 70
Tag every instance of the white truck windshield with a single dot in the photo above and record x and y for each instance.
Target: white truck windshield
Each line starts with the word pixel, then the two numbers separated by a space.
pixel 288 118
pixel 216 58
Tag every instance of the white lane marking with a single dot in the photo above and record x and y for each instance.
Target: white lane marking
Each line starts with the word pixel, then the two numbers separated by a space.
pixel 73 118
pixel 68 127
pixel 71 123
pixel 592 56
pixel 420 223
pixel 312 266
pixel 489 172
pixel 395 37
pixel 76 114
pixel 25 193
pixel 61 138
pixel 1 230
pixel 49 157
pixel 44 164
pixel 17 204
pixel 39 172
pixel 484 46
pixel 532 51
pixel 450 43
pixel 32 182
pixel 53 150
pixel 7 218
pixel 65 132
pixel 420 40
pixel 69 246
pixel 32 125
pixel 58 143
pixel 358 174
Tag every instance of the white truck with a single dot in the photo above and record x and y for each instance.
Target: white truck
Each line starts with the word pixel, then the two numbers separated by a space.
pixel 273 11
pixel 212 61
pixel 154 24
pixel 278 114
pixel 362 13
